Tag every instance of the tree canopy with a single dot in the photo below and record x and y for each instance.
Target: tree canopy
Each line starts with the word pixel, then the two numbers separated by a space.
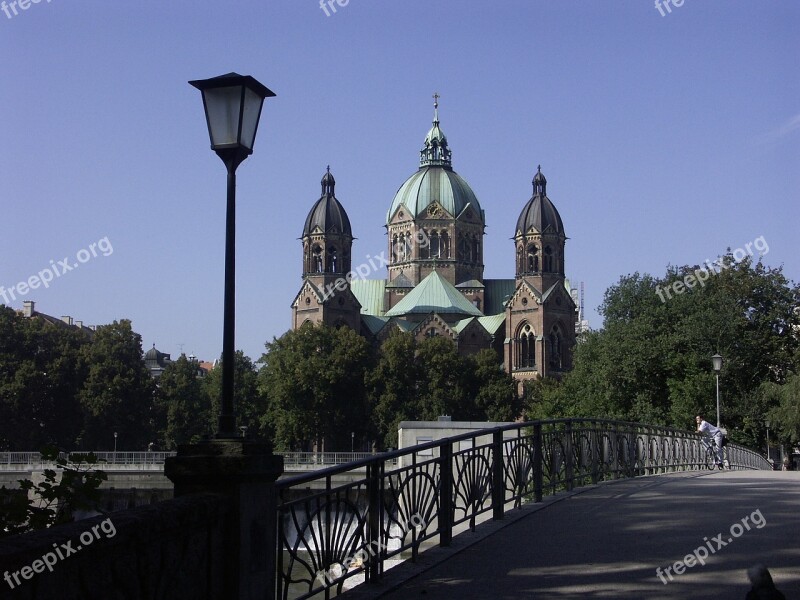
pixel 652 360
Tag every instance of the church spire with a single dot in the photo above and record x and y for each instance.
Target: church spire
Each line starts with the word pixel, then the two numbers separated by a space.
pixel 328 183
pixel 435 151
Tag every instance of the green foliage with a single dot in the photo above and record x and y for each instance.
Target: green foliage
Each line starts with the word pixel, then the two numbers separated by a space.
pixel 314 380
pixel 784 414
pixel 118 392
pixel 421 381
pixel 54 500
pixel 652 361
pixel 250 404
pixel 183 404
pixel 41 374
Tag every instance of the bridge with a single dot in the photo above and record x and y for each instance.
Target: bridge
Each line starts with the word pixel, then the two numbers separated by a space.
pixel 137 478
pixel 548 509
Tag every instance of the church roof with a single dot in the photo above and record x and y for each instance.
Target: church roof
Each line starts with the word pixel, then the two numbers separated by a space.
pixel 496 294
pixel 493 322
pixel 435 184
pixel 373 323
pixel 539 213
pixel 327 215
pixel 434 294
pixel 435 181
pixel 369 293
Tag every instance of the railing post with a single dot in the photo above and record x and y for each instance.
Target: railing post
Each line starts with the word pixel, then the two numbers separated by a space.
pixel 498 480
pixel 569 466
pixel 244 473
pixel 446 493
pixel 374 521
pixel 596 453
pixel 538 457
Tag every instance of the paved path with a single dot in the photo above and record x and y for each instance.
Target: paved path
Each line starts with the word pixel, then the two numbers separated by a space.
pixel 607 541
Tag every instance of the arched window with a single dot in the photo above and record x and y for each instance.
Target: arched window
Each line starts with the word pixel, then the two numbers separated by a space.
pixel 395 249
pixel 424 249
pixel 431 333
pixel 520 262
pixel 533 259
pixel 317 260
pixel 476 250
pixel 408 248
pixel 463 250
pixel 435 246
pixel 333 260
pixel 445 245
pixel 548 259
pixel 556 348
pixel 526 347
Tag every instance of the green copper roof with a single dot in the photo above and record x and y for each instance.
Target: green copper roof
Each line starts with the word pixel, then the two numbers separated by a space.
pixel 369 293
pixel 497 292
pixel 435 181
pixel 435 184
pixel 434 294
pixel 373 323
pixel 492 323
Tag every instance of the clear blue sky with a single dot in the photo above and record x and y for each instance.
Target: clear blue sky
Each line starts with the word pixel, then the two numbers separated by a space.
pixel 665 140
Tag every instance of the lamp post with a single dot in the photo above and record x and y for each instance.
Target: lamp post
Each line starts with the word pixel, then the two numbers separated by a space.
pixel 716 360
pixel 767 423
pixel 115 447
pixel 352 442
pixel 232 104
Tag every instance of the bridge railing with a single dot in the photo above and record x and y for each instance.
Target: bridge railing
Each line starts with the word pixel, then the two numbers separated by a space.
pixel 12 461
pixel 333 534
pixel 294 461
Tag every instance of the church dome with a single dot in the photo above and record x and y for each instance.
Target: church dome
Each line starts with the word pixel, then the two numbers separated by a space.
pixel 327 215
pixel 540 213
pixel 435 181
pixel 435 184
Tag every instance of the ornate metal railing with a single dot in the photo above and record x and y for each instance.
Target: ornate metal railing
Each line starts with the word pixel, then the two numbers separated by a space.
pixel 350 523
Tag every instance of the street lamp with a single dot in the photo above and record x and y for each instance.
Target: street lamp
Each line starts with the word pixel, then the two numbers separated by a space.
pixel 352 442
pixel 115 447
pixel 768 423
pixel 232 104
pixel 716 360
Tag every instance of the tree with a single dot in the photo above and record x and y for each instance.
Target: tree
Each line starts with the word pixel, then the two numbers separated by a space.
pixel 419 381
pixel 652 360
pixel 492 390
pixel 184 404
pixel 249 403
pixel 118 393
pixel 40 376
pixel 393 386
pixel 314 378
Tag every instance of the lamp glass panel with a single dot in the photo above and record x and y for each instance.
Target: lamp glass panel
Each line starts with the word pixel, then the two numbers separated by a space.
pixel 252 110
pixel 223 106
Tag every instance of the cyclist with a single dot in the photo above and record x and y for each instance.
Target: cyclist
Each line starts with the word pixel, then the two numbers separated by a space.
pixel 711 432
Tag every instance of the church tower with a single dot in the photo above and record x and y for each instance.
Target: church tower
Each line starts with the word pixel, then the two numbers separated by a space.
pixel 540 316
pixel 327 240
pixel 435 223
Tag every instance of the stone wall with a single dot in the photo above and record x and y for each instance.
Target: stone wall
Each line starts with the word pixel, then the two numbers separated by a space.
pixel 170 550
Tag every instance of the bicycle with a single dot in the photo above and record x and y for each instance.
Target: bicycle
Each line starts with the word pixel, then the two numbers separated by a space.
pixel 711 454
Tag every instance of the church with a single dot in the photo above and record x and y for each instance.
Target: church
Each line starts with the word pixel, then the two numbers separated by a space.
pixel 435 284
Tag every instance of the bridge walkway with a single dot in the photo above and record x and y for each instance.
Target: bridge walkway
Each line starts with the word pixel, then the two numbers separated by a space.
pixel 606 541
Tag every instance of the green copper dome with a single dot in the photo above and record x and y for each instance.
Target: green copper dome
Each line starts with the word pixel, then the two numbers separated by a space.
pixel 435 182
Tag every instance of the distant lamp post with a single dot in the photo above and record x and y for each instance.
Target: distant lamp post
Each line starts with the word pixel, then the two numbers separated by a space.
pixel 768 423
pixel 352 442
pixel 232 105
pixel 716 360
pixel 115 447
